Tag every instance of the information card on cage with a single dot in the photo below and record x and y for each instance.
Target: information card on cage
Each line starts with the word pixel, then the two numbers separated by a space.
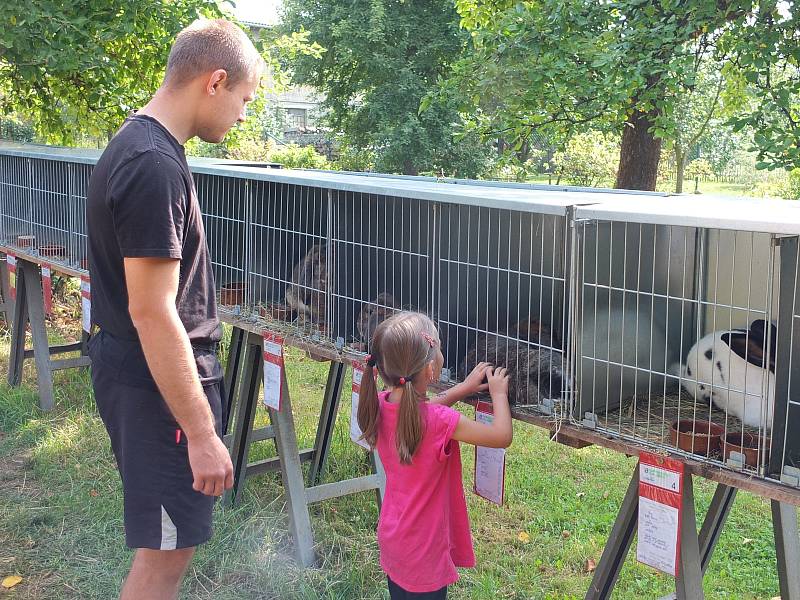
pixel 11 261
pixel 47 289
pixel 273 370
pixel 660 501
pixel 86 304
pixel 490 463
pixel 355 430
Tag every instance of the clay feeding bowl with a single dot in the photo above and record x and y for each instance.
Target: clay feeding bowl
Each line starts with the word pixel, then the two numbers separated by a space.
pixel 280 312
pixel 697 437
pixel 52 251
pixel 26 241
pixel 746 444
pixel 232 294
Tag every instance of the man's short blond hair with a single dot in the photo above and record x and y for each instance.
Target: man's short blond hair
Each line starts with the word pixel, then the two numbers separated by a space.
pixel 207 45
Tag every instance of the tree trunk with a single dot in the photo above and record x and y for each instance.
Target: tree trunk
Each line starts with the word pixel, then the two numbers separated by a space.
pixel 639 154
pixel 409 168
pixel 680 164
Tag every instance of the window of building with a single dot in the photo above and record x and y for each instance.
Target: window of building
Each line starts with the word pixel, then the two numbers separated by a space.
pixel 296 117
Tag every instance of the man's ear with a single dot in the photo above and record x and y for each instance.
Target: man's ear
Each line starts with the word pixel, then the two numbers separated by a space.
pixel 216 80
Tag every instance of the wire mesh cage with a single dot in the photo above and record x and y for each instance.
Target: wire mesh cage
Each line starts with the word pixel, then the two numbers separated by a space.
pixel 289 278
pixel 225 204
pixel 15 195
pixel 43 208
pixel 384 261
pixel 501 297
pixel 679 313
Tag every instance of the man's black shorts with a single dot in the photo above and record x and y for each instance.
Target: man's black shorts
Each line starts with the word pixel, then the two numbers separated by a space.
pixel 162 511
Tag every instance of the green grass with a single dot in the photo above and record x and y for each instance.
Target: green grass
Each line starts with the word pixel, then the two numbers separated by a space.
pixel 61 516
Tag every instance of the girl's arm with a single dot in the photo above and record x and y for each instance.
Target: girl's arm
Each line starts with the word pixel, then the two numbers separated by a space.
pixel 473 384
pixel 499 433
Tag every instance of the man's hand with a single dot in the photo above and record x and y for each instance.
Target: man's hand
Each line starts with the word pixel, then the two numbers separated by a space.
pixel 211 465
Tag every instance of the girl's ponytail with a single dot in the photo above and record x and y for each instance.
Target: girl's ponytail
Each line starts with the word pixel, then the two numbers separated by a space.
pixel 409 423
pixel 368 409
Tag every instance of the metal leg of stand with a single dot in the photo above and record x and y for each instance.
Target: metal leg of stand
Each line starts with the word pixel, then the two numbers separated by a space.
pixel 247 400
pixel 327 420
pixel 607 572
pixel 787 549
pixel 689 582
pixel 292 475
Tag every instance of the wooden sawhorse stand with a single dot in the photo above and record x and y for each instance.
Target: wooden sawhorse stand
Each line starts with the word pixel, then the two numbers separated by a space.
pixel 29 308
pixel 242 390
pixel 6 303
pixel 696 549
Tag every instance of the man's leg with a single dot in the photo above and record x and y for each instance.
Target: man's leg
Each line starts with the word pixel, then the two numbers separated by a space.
pixel 156 574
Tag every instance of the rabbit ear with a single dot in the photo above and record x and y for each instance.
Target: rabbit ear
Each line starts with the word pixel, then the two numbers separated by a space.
pixel 758 336
pixel 749 347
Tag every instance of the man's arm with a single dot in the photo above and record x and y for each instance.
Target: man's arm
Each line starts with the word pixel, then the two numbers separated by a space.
pixel 152 285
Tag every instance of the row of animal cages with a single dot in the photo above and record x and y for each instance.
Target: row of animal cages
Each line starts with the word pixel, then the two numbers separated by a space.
pixel 663 321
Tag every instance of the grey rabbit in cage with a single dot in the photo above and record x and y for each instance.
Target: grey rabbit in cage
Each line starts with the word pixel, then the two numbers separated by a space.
pixel 535 365
pixel 309 285
pixel 623 354
pixel 729 368
pixel 370 316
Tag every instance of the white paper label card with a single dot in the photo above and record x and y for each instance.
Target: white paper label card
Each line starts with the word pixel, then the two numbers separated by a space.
pixel 86 304
pixel 273 370
pixel 355 430
pixel 11 262
pixel 490 463
pixel 660 477
pixel 47 289
pixel 660 504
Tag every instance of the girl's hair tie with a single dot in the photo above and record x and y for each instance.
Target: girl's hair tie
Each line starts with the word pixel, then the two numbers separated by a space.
pixel 429 338
pixel 402 381
pixel 371 360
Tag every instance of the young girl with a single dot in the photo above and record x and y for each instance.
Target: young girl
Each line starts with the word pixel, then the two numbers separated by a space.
pixel 423 530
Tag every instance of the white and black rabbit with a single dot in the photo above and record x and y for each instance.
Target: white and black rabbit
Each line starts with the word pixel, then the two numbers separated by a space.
pixel 536 369
pixel 624 355
pixel 728 368
pixel 309 286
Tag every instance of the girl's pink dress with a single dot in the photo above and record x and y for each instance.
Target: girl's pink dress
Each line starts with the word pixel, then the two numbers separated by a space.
pixel 423 530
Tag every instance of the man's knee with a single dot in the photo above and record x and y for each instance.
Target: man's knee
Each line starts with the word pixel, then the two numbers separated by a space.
pixel 164 563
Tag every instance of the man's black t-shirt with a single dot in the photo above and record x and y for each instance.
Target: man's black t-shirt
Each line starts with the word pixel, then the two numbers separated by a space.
pixel 141 202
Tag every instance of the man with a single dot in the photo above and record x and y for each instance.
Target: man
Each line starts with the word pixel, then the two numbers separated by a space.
pixel 154 368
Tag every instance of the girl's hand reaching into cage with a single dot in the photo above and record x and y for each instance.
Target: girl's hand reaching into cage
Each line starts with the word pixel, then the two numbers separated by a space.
pixel 475 382
pixel 498 383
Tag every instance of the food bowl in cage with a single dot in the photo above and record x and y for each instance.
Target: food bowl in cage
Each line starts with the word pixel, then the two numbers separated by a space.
pixel 52 251
pixel 26 241
pixel 697 437
pixel 276 311
pixel 232 294
pixel 746 444
pixel 85 264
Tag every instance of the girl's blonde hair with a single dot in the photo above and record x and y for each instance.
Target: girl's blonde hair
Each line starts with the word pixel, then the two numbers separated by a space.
pixel 402 346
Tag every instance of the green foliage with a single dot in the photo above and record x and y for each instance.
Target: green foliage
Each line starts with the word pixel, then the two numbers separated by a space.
pixel 560 66
pixel 293 156
pixel 381 58
pixel 699 168
pixel 590 159
pixel 790 190
pixel 14 129
pixel 766 50
pixel 351 158
pixel 78 66
pixel 555 65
